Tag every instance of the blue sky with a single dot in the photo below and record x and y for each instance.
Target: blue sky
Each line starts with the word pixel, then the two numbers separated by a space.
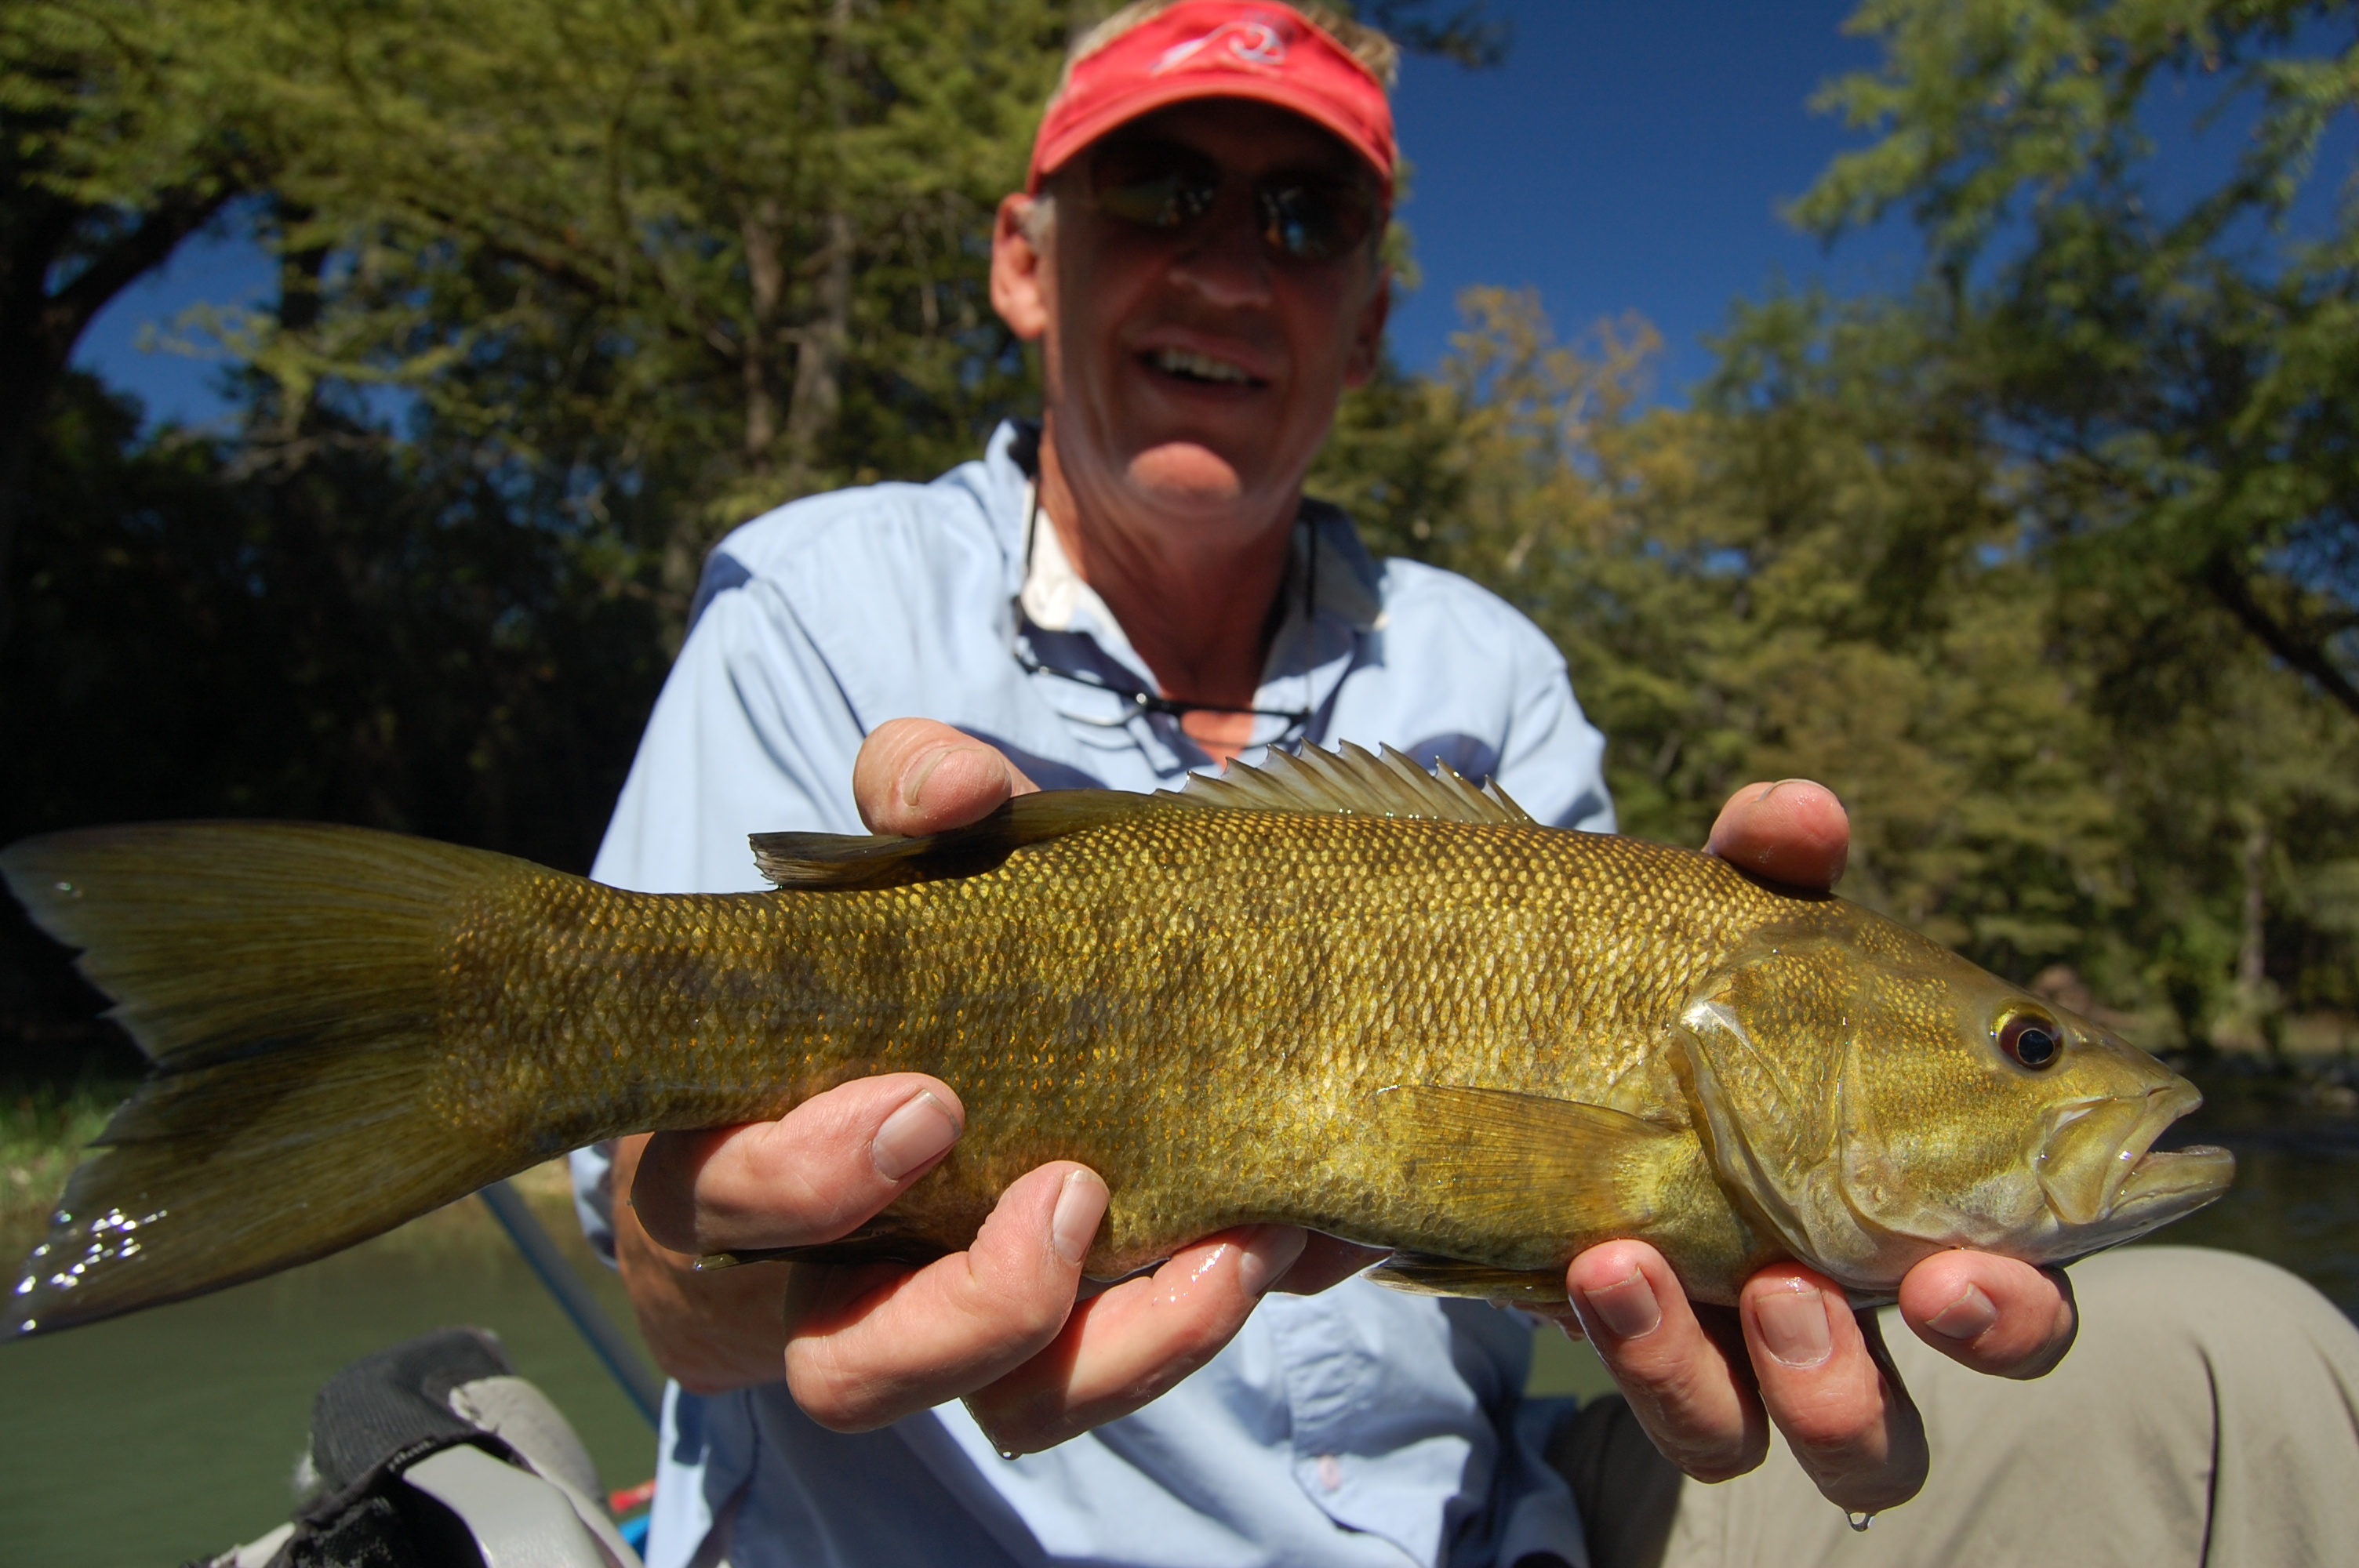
pixel 1630 156
pixel 1626 157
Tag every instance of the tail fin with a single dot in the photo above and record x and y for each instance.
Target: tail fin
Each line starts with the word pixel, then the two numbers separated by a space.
pixel 284 981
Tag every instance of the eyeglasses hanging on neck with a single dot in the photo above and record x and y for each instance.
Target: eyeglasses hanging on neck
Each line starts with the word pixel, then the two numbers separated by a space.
pixel 1140 701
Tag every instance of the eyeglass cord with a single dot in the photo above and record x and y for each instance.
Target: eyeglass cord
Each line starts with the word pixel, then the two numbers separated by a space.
pixel 1144 702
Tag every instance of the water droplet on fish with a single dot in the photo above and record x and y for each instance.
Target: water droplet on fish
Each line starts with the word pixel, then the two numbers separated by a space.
pixel 1858 1521
pixel 1009 1454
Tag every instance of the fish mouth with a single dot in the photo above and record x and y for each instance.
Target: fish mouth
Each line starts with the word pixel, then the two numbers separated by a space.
pixel 2101 1171
pixel 2166 1185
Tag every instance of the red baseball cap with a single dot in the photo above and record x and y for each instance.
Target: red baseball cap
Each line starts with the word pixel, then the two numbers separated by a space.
pixel 1218 48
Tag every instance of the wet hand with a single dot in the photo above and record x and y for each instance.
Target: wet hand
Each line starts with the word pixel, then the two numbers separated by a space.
pixel 1009 1325
pixel 1708 1382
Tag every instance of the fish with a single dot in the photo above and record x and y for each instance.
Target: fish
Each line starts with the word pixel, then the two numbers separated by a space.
pixel 1335 991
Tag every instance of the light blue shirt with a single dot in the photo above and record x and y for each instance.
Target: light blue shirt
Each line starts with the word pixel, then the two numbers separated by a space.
pixel 1359 1427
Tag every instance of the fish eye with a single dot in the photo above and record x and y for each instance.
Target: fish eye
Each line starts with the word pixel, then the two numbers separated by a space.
pixel 2031 1039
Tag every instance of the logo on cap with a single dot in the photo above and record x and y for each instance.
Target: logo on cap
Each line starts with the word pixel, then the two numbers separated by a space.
pixel 1252 43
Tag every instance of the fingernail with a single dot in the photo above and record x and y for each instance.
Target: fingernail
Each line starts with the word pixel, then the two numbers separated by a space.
pixel 1627 1307
pixel 1081 1204
pixel 912 1135
pixel 1968 1317
pixel 1265 1255
pixel 1793 1321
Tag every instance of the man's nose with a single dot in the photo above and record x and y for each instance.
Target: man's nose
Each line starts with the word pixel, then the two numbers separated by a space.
pixel 1226 260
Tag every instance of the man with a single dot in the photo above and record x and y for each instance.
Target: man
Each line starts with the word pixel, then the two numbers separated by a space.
pixel 1134 590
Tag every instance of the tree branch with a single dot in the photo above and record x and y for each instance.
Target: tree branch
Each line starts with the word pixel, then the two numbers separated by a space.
pixel 2235 592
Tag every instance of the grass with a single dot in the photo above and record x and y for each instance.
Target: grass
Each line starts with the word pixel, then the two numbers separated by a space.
pixel 42 1131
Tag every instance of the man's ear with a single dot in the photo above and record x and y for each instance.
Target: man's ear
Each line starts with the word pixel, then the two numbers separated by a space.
pixel 1018 271
pixel 1367 331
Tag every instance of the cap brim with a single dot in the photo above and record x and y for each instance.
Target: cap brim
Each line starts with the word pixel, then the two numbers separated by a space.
pixel 1078 137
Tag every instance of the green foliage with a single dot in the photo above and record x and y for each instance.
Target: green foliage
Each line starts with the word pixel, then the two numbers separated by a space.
pixel 675 264
pixel 2048 564
pixel 2178 371
pixel 1818 570
pixel 374 638
pixel 115 145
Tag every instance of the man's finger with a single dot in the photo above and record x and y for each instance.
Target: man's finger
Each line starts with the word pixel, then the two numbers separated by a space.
pixel 832 1161
pixel 914 776
pixel 866 1347
pixel 1793 831
pixel 1830 1390
pixel 1993 1315
pixel 1129 1345
pixel 1325 1262
pixel 1693 1398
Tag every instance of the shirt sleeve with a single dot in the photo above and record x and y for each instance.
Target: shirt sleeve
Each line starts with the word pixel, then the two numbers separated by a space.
pixel 752 734
pixel 1553 762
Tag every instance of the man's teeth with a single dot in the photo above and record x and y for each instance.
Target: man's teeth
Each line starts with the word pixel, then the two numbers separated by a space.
pixel 1199 367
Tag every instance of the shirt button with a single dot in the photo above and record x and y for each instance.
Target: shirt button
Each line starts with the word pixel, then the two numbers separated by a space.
pixel 1330 1471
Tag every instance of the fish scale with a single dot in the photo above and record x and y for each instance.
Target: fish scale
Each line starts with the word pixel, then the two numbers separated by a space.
pixel 1185 1000
pixel 1337 992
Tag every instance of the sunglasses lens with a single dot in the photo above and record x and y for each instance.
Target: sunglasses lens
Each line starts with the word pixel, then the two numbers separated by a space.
pixel 1159 187
pixel 1314 220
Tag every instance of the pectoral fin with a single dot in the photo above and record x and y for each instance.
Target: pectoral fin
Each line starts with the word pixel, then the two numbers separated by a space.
pixel 1522 1181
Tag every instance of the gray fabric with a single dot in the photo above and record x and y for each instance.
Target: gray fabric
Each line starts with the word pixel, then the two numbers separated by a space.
pixel 1627 1491
pixel 2209 1415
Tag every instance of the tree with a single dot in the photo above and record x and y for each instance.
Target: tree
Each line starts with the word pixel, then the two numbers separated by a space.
pixel 1818 568
pixel 114 146
pixel 2178 371
pixel 667 266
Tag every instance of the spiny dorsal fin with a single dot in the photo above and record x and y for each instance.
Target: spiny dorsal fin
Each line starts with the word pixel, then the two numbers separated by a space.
pixel 1351 781
pixel 1354 782
pixel 852 861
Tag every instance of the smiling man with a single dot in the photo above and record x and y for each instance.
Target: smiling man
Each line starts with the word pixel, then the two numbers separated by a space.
pixel 1134 589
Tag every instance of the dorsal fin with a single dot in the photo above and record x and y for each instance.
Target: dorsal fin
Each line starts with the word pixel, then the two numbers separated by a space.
pixel 1351 781
pixel 882 860
pixel 1354 782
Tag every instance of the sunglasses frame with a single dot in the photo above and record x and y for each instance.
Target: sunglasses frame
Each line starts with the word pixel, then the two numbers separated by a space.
pixel 1195 200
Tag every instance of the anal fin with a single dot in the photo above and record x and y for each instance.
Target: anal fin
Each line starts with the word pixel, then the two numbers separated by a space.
pixel 1423 1274
pixel 879 1241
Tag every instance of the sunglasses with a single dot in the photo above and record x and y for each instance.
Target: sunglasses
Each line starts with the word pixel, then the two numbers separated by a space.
pixel 1304 216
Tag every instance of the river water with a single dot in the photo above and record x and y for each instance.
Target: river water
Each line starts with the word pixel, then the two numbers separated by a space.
pixel 174 1434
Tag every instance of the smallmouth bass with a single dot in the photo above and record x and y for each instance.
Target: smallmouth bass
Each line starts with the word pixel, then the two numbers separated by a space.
pixel 1335 992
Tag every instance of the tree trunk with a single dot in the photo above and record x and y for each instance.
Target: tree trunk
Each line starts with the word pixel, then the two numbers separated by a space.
pixel 819 347
pixel 766 273
pixel 39 328
pixel 819 358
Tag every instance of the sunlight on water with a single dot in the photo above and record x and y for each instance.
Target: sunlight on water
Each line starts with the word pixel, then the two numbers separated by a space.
pixel 173 1434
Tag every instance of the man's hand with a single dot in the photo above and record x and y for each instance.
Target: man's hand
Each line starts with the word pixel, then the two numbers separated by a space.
pixel 997 1324
pixel 1706 1382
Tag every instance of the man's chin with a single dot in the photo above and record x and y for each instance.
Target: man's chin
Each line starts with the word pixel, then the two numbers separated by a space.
pixel 1182 476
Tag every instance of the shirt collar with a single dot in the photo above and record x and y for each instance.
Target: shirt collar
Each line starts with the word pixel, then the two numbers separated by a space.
pixel 1055 598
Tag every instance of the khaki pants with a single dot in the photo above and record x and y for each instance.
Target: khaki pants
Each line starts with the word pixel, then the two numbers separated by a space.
pixel 2208 1414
